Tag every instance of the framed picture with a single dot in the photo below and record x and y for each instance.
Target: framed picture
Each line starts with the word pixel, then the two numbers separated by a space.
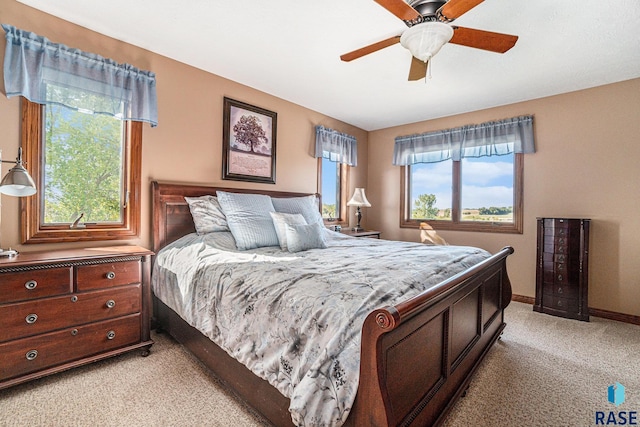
pixel 248 143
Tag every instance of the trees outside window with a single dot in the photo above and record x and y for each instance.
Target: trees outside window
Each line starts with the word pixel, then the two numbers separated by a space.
pixel 475 194
pixel 84 164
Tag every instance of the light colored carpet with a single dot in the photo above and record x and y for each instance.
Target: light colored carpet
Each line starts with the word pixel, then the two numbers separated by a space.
pixel 545 371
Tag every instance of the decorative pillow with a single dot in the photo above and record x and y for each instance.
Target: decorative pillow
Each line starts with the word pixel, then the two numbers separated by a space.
pixel 281 220
pixel 307 206
pixel 304 237
pixel 207 215
pixel 249 219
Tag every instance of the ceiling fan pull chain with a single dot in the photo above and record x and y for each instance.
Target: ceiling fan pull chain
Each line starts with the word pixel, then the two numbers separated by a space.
pixel 427 64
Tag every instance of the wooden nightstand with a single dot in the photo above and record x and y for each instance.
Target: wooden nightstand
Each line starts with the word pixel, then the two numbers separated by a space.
pixel 66 308
pixel 364 233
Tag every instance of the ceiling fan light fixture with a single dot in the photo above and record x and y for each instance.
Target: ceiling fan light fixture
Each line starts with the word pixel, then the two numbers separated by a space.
pixel 426 39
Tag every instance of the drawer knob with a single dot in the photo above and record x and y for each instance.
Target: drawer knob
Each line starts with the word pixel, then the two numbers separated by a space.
pixel 111 303
pixel 560 303
pixel 111 335
pixel 31 354
pixel 74 332
pixel 74 298
pixel 559 290
pixel 111 275
pixel 31 319
pixel 31 284
pixel 560 277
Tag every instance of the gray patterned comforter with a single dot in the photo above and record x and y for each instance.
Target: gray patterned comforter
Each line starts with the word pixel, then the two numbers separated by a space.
pixel 295 319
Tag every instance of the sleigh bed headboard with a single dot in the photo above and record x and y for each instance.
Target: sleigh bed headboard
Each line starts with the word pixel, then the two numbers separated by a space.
pixel 171 216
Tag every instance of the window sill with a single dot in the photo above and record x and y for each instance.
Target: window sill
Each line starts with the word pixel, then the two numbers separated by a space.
pixel 477 227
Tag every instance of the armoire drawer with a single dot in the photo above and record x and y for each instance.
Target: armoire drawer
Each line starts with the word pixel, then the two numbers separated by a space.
pixel 43 351
pixel 29 318
pixel 569 305
pixel 24 285
pixel 559 290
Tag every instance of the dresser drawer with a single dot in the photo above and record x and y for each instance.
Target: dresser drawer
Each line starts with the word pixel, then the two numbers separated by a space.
pixel 43 351
pixel 24 285
pixel 106 275
pixel 39 316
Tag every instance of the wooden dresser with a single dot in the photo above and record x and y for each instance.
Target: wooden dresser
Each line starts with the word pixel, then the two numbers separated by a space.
pixel 562 267
pixel 66 308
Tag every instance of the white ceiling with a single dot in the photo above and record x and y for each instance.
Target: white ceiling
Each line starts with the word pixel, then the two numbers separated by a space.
pixel 291 49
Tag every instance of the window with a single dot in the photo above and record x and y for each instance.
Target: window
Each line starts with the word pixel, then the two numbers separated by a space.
pixel 466 178
pixel 335 151
pixel 82 120
pixel 475 194
pixel 82 163
pixel 332 177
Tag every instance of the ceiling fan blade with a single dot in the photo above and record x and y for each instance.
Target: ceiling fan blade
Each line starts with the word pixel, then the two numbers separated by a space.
pixel 399 8
pixel 456 8
pixel 481 39
pixel 418 69
pixel 370 49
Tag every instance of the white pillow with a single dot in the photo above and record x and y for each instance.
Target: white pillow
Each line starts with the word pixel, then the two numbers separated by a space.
pixel 307 206
pixel 249 219
pixel 280 221
pixel 207 214
pixel 305 237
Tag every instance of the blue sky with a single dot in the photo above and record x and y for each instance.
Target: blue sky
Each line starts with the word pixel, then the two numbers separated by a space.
pixel 486 181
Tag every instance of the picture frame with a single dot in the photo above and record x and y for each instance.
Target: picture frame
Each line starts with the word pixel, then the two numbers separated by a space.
pixel 248 143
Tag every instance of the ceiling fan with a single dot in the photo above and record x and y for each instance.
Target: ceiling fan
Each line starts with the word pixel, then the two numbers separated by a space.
pixel 429 23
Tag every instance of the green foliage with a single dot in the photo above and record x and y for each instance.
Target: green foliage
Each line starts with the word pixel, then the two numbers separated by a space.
pixel 496 211
pixel 329 211
pixel 423 207
pixel 83 166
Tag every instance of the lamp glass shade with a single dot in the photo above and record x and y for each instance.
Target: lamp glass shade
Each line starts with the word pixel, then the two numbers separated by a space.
pixel 426 39
pixel 18 182
pixel 359 199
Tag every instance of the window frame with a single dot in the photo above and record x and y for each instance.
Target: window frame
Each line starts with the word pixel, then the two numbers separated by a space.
pixel 344 187
pixel 31 207
pixel 455 223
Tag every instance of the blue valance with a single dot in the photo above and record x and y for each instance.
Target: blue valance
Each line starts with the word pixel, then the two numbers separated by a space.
pixel 52 73
pixel 336 146
pixel 495 138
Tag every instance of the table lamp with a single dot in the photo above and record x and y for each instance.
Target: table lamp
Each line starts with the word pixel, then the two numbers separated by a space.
pixel 359 199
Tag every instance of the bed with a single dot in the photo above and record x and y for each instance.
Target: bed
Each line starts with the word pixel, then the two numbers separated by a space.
pixel 416 356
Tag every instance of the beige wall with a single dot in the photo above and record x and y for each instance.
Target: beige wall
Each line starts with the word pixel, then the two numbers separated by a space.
pixel 187 144
pixel 586 166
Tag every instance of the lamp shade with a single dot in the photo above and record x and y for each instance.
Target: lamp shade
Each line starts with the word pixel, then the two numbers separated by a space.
pixel 425 40
pixel 359 199
pixel 18 182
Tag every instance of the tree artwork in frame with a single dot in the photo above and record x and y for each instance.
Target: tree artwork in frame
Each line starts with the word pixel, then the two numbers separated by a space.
pixel 248 143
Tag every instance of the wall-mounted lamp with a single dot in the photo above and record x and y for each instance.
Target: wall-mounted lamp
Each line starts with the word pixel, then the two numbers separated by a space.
pixel 17 182
pixel 359 199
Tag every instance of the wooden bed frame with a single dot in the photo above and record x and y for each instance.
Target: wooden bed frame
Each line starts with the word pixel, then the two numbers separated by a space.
pixel 417 357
